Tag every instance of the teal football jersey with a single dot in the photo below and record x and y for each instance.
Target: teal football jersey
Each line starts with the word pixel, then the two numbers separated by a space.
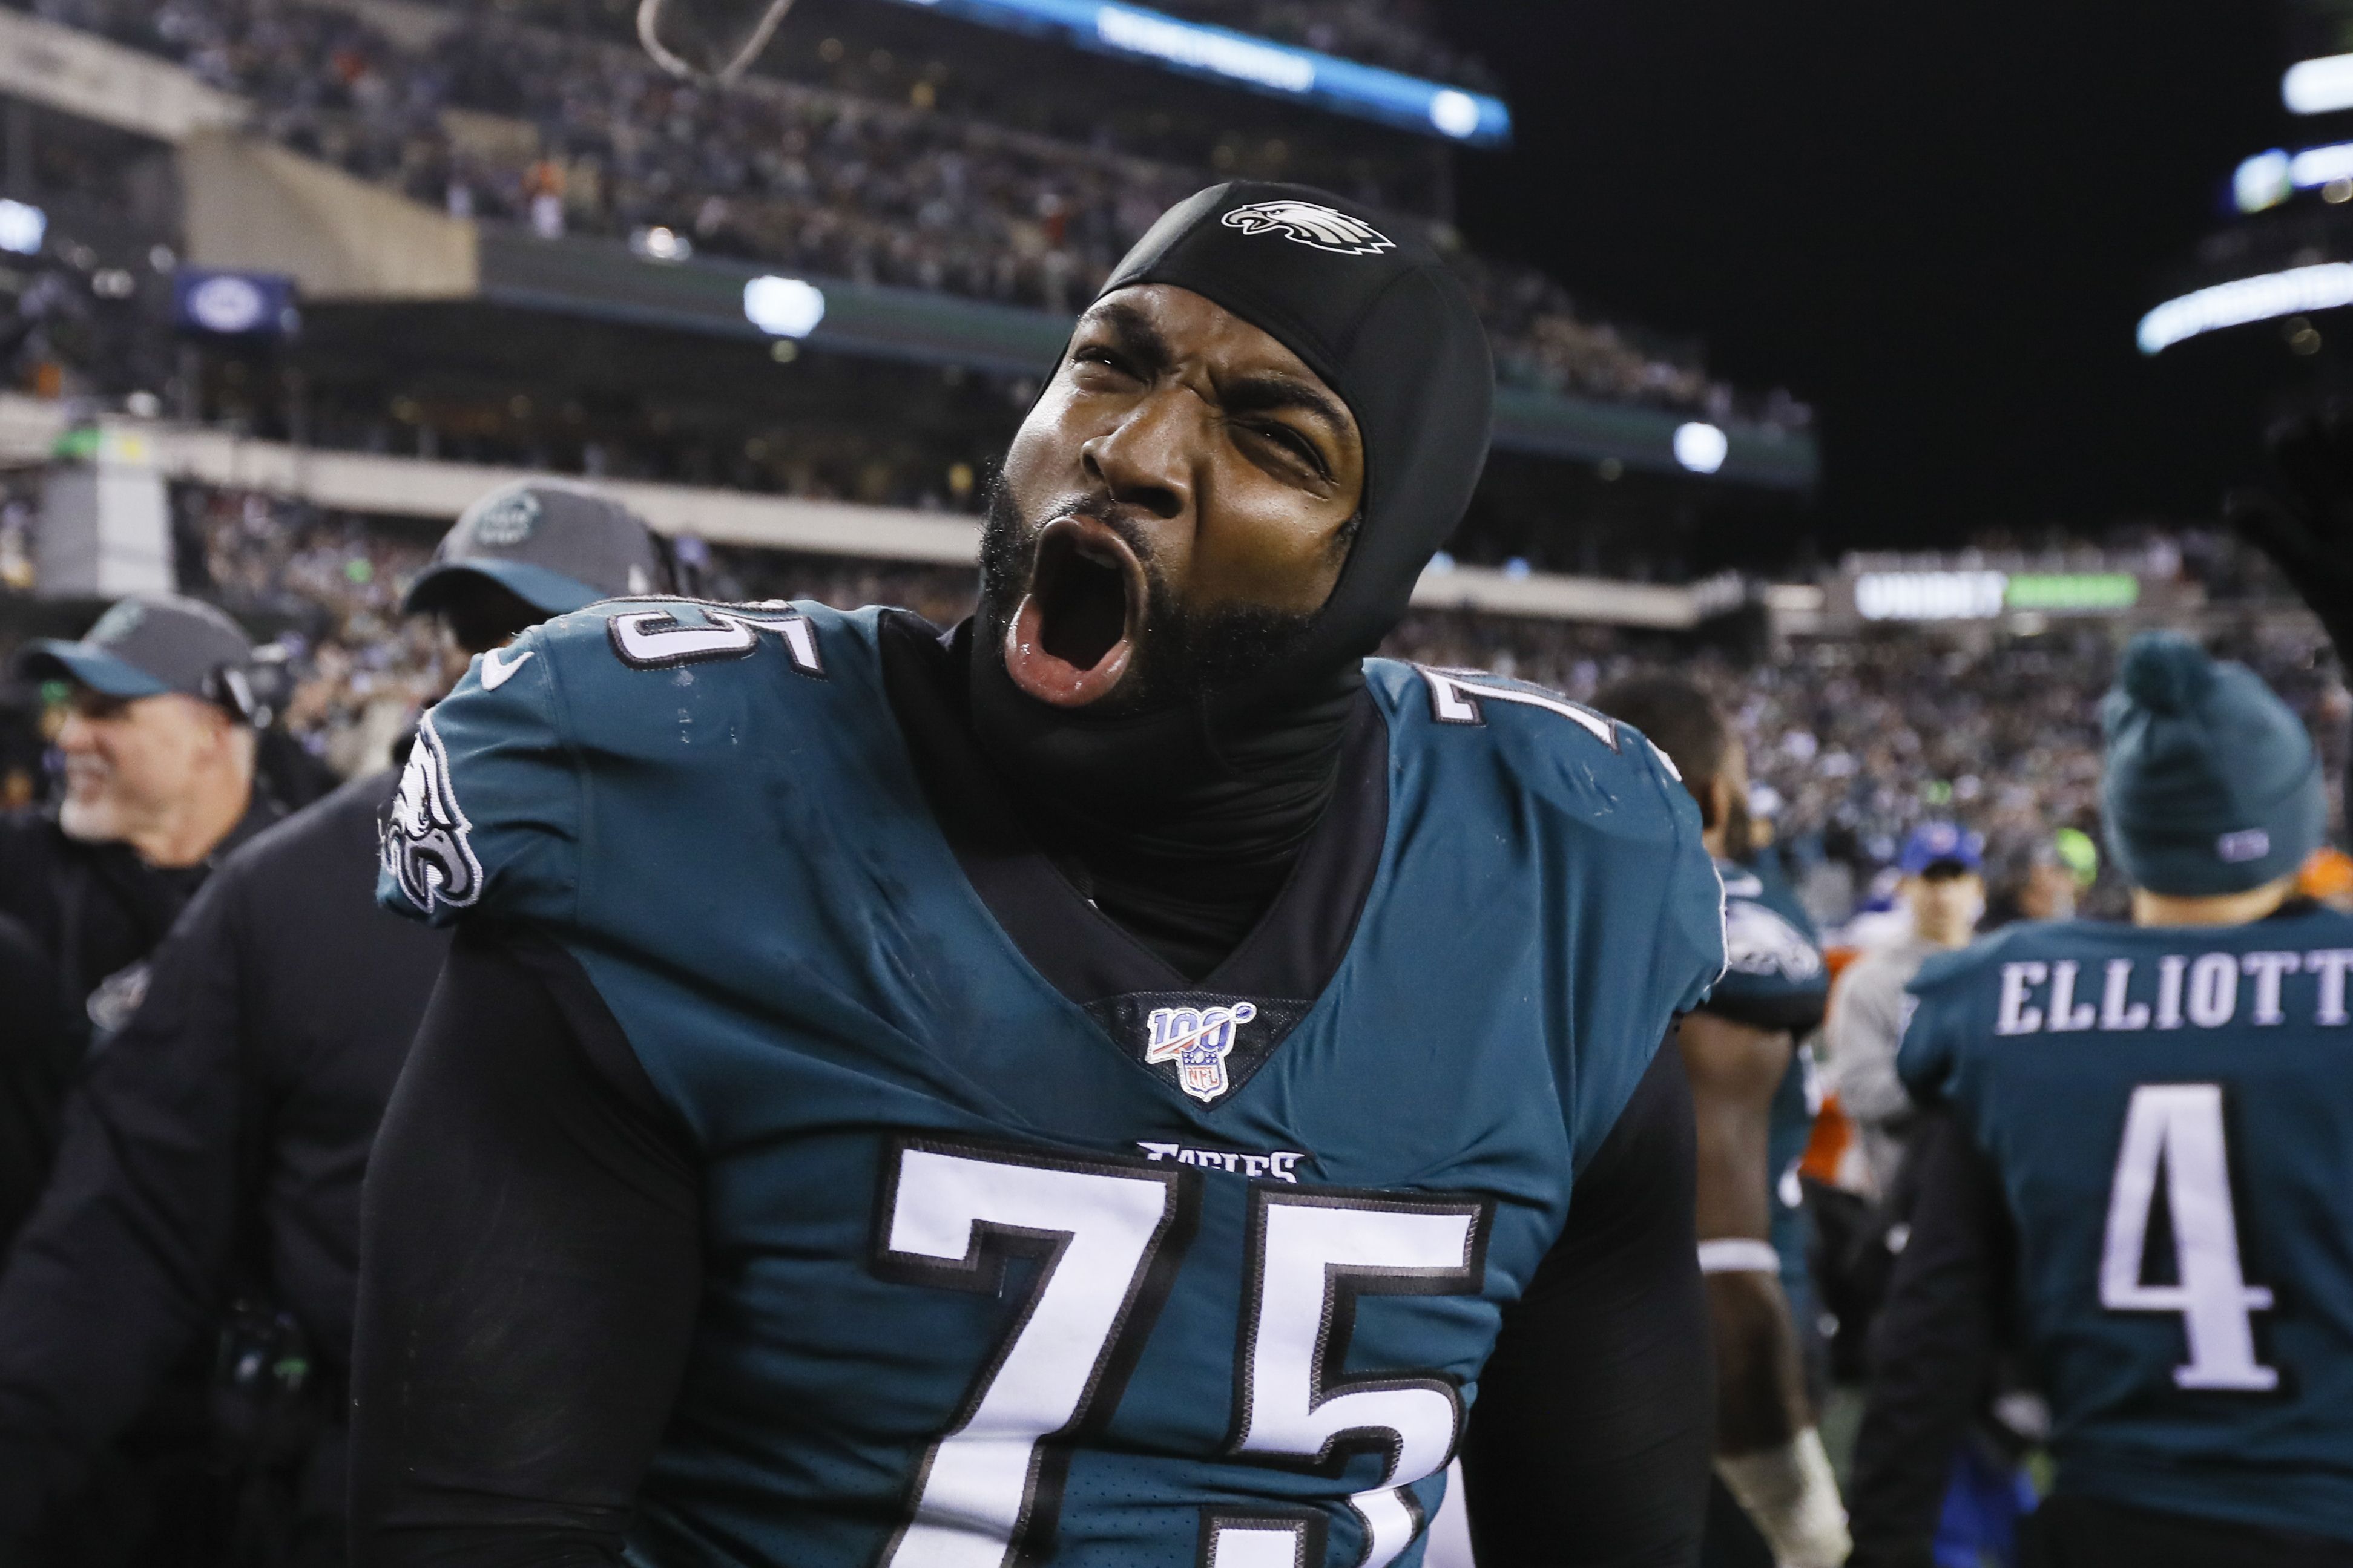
pixel 2170 1113
pixel 1019 1243
pixel 1774 973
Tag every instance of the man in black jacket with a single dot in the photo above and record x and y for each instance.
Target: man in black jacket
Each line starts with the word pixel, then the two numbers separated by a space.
pixel 160 749
pixel 206 1197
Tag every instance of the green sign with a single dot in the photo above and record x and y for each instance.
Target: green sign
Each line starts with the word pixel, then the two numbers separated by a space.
pixel 2071 591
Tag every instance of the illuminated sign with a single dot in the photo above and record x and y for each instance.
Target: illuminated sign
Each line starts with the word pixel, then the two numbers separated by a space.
pixel 2076 593
pixel 1981 595
pixel 1929 595
pixel 2322 286
pixel 2318 87
pixel 1345 87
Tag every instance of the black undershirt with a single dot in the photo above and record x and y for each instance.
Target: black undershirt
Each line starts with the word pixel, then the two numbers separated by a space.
pixel 532 1277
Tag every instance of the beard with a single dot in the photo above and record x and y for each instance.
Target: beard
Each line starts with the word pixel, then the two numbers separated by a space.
pixel 90 818
pixel 1180 653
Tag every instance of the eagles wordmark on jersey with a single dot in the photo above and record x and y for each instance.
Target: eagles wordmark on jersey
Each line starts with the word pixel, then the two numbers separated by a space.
pixel 2169 1114
pixel 1025 1245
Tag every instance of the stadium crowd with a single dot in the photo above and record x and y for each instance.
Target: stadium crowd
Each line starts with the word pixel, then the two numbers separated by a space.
pixel 1854 741
pixel 571 133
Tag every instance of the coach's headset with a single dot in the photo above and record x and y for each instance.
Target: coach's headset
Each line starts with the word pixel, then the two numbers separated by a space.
pixel 255 692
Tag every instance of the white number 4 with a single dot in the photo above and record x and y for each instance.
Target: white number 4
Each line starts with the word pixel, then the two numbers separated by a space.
pixel 2178 1126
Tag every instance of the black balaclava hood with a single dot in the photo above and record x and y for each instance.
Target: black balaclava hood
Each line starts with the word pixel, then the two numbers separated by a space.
pixel 1368 305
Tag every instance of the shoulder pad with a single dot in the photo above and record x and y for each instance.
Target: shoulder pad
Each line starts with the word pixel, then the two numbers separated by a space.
pixel 1564 753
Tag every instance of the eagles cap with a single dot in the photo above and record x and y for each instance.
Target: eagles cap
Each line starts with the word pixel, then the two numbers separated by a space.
pixel 554 545
pixel 146 646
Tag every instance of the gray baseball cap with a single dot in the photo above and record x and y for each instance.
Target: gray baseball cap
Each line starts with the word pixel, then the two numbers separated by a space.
pixel 144 646
pixel 556 545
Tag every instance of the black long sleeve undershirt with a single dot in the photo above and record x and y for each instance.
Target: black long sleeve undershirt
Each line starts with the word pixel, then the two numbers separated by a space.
pixel 1932 1351
pixel 532 1264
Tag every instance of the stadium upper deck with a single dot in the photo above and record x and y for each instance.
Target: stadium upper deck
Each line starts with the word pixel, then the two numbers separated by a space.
pixel 867 178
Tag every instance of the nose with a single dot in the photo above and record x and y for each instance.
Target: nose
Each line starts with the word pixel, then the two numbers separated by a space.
pixel 75 734
pixel 1145 460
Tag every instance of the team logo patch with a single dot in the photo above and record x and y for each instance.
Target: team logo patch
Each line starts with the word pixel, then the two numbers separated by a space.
pixel 1198 1039
pixel 1306 223
pixel 1758 942
pixel 1206 1046
pixel 2248 843
pixel 506 521
pixel 118 623
pixel 426 837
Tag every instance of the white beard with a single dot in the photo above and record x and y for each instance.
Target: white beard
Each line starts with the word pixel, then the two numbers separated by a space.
pixel 89 820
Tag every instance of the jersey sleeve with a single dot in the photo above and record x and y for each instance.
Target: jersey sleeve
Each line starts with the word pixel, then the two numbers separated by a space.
pixel 488 816
pixel 1660 961
pixel 1932 1022
pixel 1774 977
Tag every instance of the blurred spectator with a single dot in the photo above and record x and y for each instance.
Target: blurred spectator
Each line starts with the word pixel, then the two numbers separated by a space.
pixel 1943 892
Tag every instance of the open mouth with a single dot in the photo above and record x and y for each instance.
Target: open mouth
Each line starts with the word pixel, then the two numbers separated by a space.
pixel 1074 633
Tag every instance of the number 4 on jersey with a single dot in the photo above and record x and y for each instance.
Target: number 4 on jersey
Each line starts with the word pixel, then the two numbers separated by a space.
pixel 2178 1127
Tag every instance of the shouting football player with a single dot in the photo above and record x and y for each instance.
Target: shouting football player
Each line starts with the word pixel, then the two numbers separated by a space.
pixel 2134 1169
pixel 1749 1080
pixel 1116 1083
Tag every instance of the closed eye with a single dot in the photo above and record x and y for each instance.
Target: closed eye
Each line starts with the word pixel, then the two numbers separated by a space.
pixel 1294 446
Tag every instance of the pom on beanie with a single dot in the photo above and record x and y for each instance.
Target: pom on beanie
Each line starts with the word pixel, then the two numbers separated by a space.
pixel 2211 786
pixel 2165 673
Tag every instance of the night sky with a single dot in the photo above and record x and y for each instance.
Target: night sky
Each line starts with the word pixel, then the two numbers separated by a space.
pixel 1938 224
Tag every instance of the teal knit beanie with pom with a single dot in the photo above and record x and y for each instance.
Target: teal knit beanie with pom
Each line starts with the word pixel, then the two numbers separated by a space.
pixel 2211 785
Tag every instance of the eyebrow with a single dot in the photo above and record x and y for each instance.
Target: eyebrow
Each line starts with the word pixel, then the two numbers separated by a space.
pixel 1138 337
pixel 1270 392
pixel 1265 391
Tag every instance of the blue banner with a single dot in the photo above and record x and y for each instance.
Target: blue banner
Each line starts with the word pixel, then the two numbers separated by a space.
pixel 1238 60
pixel 233 304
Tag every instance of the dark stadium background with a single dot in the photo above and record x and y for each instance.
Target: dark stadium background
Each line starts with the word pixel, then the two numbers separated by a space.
pixel 1937 222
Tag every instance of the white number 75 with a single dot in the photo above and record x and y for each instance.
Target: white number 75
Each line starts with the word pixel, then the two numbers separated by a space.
pixel 1107 1238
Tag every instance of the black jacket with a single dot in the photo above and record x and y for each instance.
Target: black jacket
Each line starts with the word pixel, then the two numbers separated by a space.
pixel 214 1150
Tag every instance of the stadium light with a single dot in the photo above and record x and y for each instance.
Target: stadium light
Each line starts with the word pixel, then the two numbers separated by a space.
pixel 2318 87
pixel 2321 287
pixel 2269 178
pixel 1701 448
pixel 1343 85
pixel 782 307
pixel 22 227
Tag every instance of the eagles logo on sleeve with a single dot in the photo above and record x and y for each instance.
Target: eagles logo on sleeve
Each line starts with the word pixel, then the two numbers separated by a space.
pixel 424 842
pixel 1758 942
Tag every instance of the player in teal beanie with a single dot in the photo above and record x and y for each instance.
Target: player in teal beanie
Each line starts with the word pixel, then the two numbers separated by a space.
pixel 2211 786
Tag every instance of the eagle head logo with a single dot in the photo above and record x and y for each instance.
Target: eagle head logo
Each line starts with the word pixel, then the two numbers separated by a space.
pixel 425 836
pixel 1306 222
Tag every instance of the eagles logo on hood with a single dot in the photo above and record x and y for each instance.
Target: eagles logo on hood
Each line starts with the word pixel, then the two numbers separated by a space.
pixel 1310 222
pixel 424 837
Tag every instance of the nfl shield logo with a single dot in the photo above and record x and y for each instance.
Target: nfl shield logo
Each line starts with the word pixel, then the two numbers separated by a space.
pixel 1198 1040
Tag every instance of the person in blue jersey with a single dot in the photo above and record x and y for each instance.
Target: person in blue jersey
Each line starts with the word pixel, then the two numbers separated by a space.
pixel 2132 1168
pixel 1748 1076
pixel 1126 1080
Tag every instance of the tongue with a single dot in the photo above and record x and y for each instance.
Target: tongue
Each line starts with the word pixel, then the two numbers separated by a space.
pixel 1032 659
